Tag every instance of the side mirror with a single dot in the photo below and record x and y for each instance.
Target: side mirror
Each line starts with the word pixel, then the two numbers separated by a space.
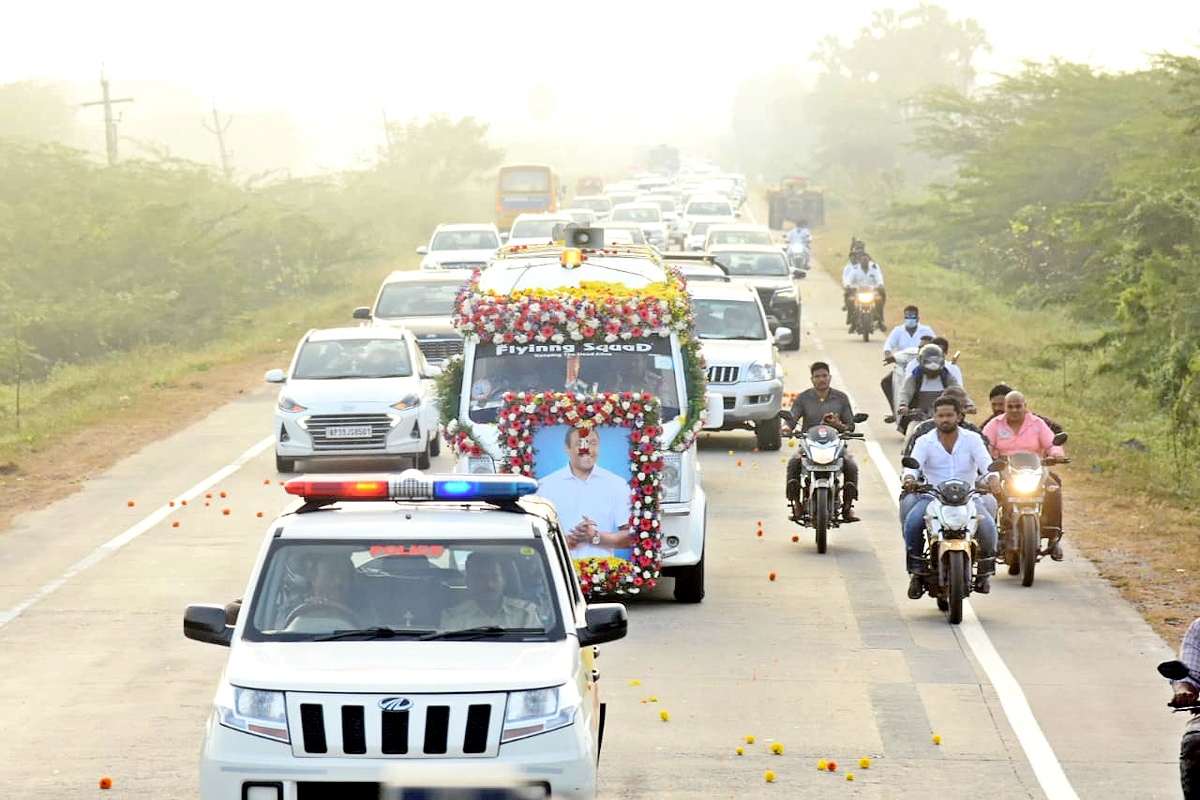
pixel 606 622
pixel 714 411
pixel 783 336
pixel 206 623
pixel 432 370
pixel 275 376
pixel 1173 670
pixel 1060 438
pixel 861 416
pixel 362 312
pixel 503 237
pixel 422 250
pixel 998 464
pixel 908 462
pixel 799 274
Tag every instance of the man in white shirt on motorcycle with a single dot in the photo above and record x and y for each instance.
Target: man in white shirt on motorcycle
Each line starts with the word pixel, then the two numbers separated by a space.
pixel 863 273
pixel 944 453
pixel 909 335
pixel 799 244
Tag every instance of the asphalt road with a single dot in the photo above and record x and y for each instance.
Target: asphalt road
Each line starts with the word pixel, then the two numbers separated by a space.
pixel 1046 691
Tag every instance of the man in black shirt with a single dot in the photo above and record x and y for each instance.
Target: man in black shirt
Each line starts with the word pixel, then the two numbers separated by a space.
pixel 824 405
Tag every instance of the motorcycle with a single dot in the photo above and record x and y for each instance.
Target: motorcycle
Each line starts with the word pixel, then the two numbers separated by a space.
pixel 799 253
pixel 1025 481
pixel 817 501
pixel 862 318
pixel 901 360
pixel 1189 772
pixel 950 548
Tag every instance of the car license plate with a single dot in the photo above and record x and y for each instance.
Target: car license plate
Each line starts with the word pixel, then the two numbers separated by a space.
pixel 348 432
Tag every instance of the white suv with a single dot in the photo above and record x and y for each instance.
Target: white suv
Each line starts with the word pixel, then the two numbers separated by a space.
pixel 461 246
pixel 364 391
pixel 743 363
pixel 406 620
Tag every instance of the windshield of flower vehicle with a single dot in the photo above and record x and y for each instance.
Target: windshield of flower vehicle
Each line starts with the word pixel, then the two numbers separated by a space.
pixel 334 359
pixel 636 215
pixel 411 299
pixel 753 264
pixel 638 365
pixel 599 204
pixel 388 588
pixel 740 237
pixel 535 228
pixel 702 208
pixel 465 240
pixel 728 319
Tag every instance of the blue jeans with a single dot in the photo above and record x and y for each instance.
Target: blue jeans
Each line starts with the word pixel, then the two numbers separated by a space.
pixel 914 528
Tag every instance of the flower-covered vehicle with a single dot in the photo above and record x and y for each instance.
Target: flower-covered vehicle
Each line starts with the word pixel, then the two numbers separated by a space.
pixel 589 357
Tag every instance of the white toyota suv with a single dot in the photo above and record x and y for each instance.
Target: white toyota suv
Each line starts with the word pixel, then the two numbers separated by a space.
pixel 743 363
pixel 364 391
pixel 405 620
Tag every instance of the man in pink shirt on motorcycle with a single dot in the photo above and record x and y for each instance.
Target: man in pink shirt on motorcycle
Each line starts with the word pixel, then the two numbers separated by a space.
pixel 1018 431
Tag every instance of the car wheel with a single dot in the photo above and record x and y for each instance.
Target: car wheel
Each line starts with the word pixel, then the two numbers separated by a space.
pixel 795 343
pixel 284 464
pixel 435 446
pixel 767 433
pixel 689 583
pixel 423 460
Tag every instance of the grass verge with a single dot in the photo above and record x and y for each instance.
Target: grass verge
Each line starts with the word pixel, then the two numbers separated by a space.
pixel 1130 496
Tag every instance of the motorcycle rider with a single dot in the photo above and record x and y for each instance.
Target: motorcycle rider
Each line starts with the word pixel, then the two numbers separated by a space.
pixel 824 405
pixel 924 427
pixel 1018 431
pixel 863 273
pixel 928 380
pixel 1187 693
pixel 799 236
pixel 996 399
pixel 910 334
pixel 945 453
pixel 955 370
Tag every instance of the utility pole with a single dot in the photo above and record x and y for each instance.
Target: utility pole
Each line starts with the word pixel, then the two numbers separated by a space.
pixel 110 124
pixel 387 134
pixel 219 130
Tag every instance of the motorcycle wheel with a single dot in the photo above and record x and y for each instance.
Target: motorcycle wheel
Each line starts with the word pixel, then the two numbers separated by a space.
pixel 957 574
pixel 821 518
pixel 864 326
pixel 1031 537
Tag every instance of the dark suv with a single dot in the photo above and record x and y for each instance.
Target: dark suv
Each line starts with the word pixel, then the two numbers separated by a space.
pixel 421 301
pixel 766 268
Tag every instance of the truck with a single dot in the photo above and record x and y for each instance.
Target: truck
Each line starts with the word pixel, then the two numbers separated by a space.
pixel 795 202
pixel 559 337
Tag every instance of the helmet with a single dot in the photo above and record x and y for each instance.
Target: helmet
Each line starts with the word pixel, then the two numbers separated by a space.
pixel 932 359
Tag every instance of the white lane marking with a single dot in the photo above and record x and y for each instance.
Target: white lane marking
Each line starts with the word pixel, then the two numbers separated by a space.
pixel 117 542
pixel 1046 767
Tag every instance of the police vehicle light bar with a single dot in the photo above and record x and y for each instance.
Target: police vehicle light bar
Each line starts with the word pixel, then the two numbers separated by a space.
pixel 411 485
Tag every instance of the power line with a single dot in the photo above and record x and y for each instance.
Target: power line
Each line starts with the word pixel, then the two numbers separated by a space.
pixel 110 124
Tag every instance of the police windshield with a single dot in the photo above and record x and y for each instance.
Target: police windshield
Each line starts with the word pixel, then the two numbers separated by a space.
pixel 404 589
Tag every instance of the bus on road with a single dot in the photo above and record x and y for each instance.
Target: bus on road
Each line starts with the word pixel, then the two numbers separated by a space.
pixel 526 189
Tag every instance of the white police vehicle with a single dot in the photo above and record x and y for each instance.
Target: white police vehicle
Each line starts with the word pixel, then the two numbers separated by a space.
pixel 406 619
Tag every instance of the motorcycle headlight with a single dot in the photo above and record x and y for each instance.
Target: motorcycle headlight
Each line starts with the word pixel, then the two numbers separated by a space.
pixel 759 371
pixel 539 711
pixel 1027 482
pixel 408 402
pixel 672 477
pixel 955 518
pixel 866 297
pixel 253 711
pixel 289 404
pixel 822 455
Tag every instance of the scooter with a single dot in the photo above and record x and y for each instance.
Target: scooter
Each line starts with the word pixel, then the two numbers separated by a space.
pixel 1189 771
pixel 1026 481
pixel 817 501
pixel 951 552
pixel 901 360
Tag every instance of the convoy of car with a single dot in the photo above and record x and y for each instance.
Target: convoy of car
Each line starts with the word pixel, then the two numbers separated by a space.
pixel 361 645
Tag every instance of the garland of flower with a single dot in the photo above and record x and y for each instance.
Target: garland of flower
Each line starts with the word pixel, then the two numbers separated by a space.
pixel 597 312
pixel 522 412
pixel 458 435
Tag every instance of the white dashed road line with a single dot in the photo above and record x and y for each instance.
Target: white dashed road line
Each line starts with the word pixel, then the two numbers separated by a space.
pixel 117 542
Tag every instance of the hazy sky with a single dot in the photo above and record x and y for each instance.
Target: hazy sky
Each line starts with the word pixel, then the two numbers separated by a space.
pixel 334 64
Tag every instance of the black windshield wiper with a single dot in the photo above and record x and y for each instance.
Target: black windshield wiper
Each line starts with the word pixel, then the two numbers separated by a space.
pixel 373 633
pixel 481 632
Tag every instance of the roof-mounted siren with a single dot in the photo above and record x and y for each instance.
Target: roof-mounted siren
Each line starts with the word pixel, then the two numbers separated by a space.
pixel 573 235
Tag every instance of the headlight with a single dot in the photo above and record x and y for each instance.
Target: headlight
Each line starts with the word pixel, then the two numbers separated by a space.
pixel 1027 482
pixel 866 297
pixel 672 477
pixel 784 294
pixel 822 455
pixel 409 401
pixel 539 711
pixel 480 464
pixel 253 711
pixel 289 404
pixel 955 518
pixel 760 372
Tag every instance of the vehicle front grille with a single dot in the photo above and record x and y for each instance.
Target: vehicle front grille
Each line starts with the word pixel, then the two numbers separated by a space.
pixel 447 726
pixel 319 425
pixel 439 349
pixel 717 374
